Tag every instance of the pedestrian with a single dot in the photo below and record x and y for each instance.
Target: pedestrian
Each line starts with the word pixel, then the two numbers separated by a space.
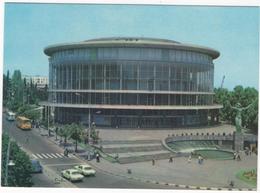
pixel 66 152
pixel 199 159
pixel 231 184
pixel 27 140
pixel 189 159
pixel 238 158
pixel 97 157
pixel 171 160
pixel 234 155
pixel 153 162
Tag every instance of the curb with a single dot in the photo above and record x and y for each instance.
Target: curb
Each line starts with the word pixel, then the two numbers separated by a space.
pixel 162 183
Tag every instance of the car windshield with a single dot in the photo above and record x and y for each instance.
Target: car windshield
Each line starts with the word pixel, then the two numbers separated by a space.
pixel 75 173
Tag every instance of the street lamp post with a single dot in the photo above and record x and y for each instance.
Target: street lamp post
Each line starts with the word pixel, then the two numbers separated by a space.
pixel 89 117
pixel 89 125
pixel 48 120
pixel 8 163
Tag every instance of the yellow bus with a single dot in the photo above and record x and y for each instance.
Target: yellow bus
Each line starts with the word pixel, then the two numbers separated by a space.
pixel 23 123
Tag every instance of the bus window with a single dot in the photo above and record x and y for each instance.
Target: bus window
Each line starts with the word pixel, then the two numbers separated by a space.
pixel 23 123
pixel 10 116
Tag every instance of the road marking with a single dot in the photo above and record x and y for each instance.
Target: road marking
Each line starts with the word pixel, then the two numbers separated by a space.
pixel 44 155
pixel 71 155
pixel 39 156
pixel 61 156
pixel 54 155
pixel 64 164
pixel 49 155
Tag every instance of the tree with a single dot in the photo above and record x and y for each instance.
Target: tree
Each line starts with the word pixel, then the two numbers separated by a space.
pixel 222 96
pixel 244 96
pixel 17 92
pixel 18 87
pixel 6 87
pixel 65 132
pixel 20 174
pixel 29 111
pixel 76 134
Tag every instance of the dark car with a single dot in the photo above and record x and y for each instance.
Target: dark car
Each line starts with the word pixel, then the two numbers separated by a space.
pixel 36 166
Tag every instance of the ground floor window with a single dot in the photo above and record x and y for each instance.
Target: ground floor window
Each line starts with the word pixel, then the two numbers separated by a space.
pixel 134 118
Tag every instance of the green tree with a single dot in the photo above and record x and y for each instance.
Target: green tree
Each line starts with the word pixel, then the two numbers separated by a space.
pixel 222 96
pixel 20 174
pixel 17 92
pixel 65 132
pixel 76 133
pixel 6 88
pixel 30 111
pixel 18 86
pixel 244 96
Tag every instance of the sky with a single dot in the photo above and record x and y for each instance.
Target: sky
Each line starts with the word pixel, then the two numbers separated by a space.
pixel 233 31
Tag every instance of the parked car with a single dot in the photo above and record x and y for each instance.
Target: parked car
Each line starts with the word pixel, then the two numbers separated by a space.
pixel 72 175
pixel 85 169
pixel 36 166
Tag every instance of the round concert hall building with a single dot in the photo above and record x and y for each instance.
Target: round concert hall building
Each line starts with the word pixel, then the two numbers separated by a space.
pixel 132 82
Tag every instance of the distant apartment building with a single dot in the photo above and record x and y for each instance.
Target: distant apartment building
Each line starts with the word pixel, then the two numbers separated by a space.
pixel 40 81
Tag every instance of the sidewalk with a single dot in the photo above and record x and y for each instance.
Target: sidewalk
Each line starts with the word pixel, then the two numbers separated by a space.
pixel 183 173
pixel 212 174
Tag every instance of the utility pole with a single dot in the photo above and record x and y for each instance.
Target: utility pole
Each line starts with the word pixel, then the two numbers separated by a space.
pixel 6 164
pixel 48 121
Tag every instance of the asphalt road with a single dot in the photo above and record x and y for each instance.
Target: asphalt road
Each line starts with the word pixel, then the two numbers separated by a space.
pixel 51 156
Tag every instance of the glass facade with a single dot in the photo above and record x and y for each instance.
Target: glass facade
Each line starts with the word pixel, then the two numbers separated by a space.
pixel 131 69
pixel 132 76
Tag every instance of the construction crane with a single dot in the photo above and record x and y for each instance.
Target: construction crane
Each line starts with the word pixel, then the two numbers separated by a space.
pixel 222 82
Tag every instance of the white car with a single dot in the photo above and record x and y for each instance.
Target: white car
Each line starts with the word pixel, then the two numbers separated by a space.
pixel 72 175
pixel 85 169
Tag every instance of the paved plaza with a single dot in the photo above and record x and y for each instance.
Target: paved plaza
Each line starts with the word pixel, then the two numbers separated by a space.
pixel 210 174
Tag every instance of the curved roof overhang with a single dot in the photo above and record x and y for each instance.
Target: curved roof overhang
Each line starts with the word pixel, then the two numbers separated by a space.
pixel 131 42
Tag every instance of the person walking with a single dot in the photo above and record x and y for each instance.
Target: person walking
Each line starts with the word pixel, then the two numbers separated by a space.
pixel 199 159
pixel 189 159
pixel 238 158
pixel 66 152
pixel 27 140
pixel 234 155
pixel 97 157
pixel 171 160
pixel 153 162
